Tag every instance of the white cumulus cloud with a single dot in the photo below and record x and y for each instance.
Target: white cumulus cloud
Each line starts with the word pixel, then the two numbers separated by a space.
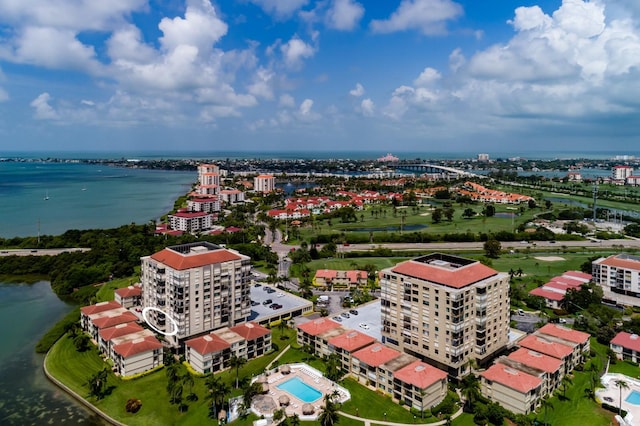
pixel 280 8
pixel 42 109
pixel 295 51
pixel 367 107
pixel 344 15
pixel 427 77
pixel 357 91
pixel 427 16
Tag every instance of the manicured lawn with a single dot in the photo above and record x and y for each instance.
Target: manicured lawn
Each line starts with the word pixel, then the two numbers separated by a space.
pixel 294 355
pixel 465 419
pixel 577 409
pixel 626 368
pixel 372 405
pixel 74 369
pixel 107 290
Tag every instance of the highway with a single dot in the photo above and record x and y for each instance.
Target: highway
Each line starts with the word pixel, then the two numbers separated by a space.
pixel 40 252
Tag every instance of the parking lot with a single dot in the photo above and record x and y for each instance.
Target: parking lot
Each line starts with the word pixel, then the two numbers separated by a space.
pixel 367 321
pixel 265 300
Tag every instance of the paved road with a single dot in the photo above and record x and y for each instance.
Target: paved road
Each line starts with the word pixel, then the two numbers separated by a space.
pixel 40 252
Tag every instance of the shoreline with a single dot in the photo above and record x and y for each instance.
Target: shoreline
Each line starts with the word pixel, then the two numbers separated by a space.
pixel 77 397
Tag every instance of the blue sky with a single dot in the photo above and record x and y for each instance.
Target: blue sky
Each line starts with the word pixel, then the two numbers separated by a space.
pixel 334 75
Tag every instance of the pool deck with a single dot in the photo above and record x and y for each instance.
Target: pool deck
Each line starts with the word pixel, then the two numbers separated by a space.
pixel 611 395
pixel 268 402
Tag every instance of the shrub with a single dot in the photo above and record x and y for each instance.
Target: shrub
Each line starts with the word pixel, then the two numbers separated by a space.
pixel 133 405
pixel 614 409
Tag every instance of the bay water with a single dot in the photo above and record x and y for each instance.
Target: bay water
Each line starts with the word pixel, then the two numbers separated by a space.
pixel 50 198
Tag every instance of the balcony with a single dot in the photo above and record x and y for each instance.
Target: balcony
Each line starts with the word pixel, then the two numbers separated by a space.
pixel 481 321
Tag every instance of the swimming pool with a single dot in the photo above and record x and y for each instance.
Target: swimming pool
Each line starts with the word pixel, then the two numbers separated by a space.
pixel 300 390
pixel 633 398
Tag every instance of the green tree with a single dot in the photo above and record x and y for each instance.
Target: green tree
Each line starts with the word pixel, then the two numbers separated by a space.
pixel 545 404
pixel 237 362
pixel 492 248
pixel 329 414
pixel 98 384
pixel 621 384
pixel 490 210
pixel 436 216
pixel 468 213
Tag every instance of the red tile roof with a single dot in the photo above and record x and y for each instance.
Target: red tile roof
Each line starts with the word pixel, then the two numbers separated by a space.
pixel 457 278
pixel 179 261
pixel 542 345
pixel 130 291
pixel 351 340
pixel 551 295
pixel 536 360
pixel 419 374
pixel 100 307
pixel 376 355
pixel 565 333
pixel 578 275
pixel 120 330
pixel 511 378
pixel 137 346
pixel 250 330
pixel 627 340
pixel 318 326
pixel 190 215
pixel 567 281
pixel 207 344
pixel 621 262
pixel 110 321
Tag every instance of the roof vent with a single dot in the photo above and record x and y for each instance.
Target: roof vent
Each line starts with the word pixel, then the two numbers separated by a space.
pixel 511 371
pixel 352 335
pixel 536 354
pixel 376 348
pixel 140 340
pixel 419 368
pixel 208 338
pixel 249 325
pixel 633 336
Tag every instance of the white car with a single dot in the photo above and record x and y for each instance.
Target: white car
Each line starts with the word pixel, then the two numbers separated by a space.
pixel 363 325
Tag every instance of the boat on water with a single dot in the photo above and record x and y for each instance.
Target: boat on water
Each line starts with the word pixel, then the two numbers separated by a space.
pixel 46 196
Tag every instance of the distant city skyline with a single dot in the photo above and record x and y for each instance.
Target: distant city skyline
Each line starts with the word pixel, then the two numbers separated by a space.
pixel 333 75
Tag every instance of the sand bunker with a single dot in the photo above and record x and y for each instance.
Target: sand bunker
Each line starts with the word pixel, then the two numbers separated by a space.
pixel 550 258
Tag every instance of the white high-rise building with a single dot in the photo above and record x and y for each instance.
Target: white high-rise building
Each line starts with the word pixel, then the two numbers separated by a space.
pixel 208 179
pixel 445 310
pixel 201 286
pixel 264 183
pixel 619 277
pixel 621 172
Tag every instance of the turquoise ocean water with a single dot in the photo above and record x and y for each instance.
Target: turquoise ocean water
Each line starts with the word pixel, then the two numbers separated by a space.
pixel 51 198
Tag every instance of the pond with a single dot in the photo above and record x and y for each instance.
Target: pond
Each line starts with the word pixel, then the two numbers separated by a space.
pixel 506 215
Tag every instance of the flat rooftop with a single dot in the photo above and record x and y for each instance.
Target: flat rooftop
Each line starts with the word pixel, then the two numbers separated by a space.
pixel 260 311
pixel 368 314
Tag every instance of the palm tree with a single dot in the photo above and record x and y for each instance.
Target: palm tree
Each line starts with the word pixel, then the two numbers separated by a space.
pixel 545 404
pixel 188 381
pixel 295 420
pixel 621 384
pixel 329 415
pixel 470 390
pixel 237 362
pixel 213 384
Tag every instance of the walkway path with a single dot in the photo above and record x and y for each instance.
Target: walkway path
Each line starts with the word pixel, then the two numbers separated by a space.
pixel 278 357
pixel 368 422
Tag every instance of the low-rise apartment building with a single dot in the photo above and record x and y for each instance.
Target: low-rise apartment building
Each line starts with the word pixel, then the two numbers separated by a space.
pixel 619 277
pixel 513 389
pixel 137 356
pixel 626 346
pixel 210 353
pixel 206 204
pixel 419 385
pixel 369 368
pixel 192 222
pixel 129 296
pixel 346 344
pixel 334 279
pixel 310 334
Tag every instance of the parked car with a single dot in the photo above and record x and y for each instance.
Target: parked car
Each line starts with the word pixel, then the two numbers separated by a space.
pixel 363 325
pixel 345 315
pixel 267 302
pixel 353 312
pixel 337 319
pixel 257 285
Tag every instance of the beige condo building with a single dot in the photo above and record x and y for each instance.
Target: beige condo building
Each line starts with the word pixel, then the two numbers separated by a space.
pixel 445 310
pixel 200 285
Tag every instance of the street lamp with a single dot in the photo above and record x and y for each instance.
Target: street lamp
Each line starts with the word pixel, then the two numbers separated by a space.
pixel 385 416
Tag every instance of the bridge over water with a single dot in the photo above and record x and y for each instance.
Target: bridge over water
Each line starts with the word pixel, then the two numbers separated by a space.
pixel 435 170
